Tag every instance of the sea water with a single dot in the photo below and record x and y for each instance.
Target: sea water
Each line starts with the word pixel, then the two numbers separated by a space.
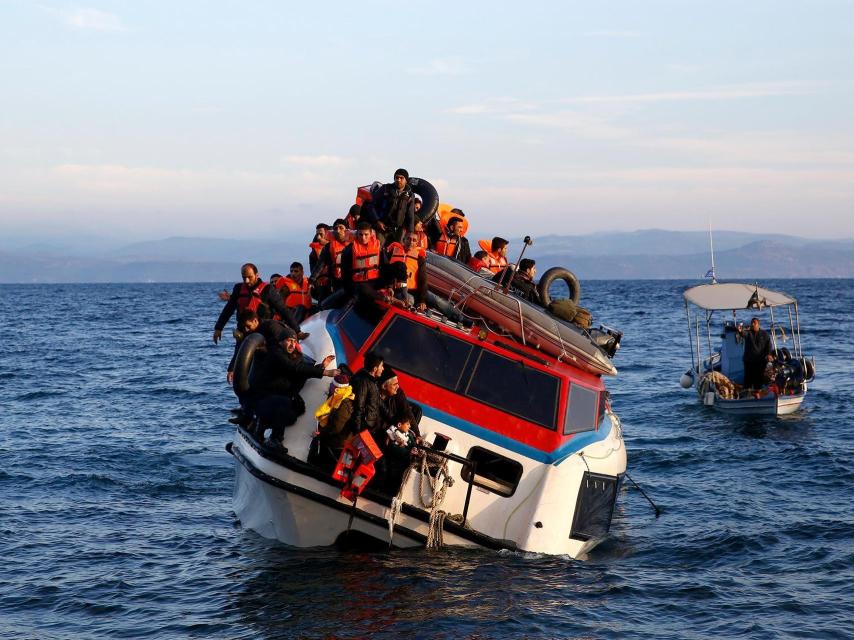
pixel 115 494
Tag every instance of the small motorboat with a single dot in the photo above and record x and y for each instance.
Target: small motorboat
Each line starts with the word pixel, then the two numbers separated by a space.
pixel 717 371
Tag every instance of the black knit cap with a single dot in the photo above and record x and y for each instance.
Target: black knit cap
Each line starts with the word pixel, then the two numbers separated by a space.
pixel 355 210
pixel 402 172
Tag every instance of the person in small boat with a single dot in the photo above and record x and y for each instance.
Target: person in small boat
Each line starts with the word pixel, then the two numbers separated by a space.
pixel 253 293
pixel 276 398
pixel 366 405
pixel 333 422
pixel 757 354
pixel 320 287
pixel 496 253
pixel 296 292
pixel 521 280
pixel 452 243
pixel 396 208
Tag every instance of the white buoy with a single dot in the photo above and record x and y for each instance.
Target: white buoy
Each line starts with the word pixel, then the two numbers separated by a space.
pixel 686 381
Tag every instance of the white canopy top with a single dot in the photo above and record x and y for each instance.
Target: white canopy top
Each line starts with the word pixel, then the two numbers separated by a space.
pixel 734 295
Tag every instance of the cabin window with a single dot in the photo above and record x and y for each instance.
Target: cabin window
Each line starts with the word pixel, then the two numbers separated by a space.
pixel 582 410
pixel 512 386
pixel 358 324
pixel 493 471
pixel 424 352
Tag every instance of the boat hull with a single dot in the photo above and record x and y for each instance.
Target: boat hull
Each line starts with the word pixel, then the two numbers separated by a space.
pixel 770 405
pixel 533 325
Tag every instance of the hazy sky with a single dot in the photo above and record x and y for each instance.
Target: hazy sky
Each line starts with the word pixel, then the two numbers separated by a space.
pixel 149 119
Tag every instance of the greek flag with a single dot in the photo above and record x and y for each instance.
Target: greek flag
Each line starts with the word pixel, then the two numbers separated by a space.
pixel 710 273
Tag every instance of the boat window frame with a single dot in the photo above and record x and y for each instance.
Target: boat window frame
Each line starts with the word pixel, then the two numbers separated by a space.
pixel 598 414
pixel 493 486
pixel 375 345
pixel 557 394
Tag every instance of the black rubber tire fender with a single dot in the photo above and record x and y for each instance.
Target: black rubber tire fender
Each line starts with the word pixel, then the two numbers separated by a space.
pixel 429 198
pixel 243 362
pixel 559 273
pixel 784 355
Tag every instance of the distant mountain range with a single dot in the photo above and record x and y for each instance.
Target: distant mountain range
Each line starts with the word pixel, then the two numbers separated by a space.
pixel 646 254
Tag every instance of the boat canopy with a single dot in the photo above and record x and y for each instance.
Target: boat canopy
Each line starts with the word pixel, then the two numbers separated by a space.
pixel 735 295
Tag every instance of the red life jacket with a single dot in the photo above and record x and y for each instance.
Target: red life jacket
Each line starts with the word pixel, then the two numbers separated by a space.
pixel 251 298
pixel 323 277
pixel 396 252
pixel 366 260
pixel 298 294
pixel 446 245
pixel 412 258
pixel 476 263
pixel 335 249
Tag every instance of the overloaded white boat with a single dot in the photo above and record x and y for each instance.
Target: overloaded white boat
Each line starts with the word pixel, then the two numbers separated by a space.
pixel 522 448
pixel 717 371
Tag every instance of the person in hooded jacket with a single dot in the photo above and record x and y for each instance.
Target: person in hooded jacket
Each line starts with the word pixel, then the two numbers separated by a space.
pixel 366 405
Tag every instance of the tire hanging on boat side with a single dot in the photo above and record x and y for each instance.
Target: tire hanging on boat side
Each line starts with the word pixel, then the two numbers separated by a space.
pixel 559 273
pixel 243 362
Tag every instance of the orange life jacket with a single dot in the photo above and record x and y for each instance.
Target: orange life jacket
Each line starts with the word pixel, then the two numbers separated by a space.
pixel 412 258
pixel 298 293
pixel 335 249
pixel 396 252
pixel 423 240
pixel 492 261
pixel 366 260
pixel 323 277
pixel 446 245
pixel 250 298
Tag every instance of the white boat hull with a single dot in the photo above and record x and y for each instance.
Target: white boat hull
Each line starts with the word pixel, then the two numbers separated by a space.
pixel 769 405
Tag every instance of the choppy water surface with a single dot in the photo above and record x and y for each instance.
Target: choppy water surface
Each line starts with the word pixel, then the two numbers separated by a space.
pixel 115 494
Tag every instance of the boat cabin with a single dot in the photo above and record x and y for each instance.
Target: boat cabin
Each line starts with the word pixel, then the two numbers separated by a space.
pixel 475 380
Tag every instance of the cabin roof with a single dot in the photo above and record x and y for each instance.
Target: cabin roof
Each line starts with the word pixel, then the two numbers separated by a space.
pixel 735 295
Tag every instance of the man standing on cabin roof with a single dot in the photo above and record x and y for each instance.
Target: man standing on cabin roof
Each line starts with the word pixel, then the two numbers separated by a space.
pixel 757 354
pixel 366 406
pixel 397 208
pixel 452 243
pixel 253 293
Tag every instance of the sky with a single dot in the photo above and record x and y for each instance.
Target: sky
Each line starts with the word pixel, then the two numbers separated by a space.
pixel 143 120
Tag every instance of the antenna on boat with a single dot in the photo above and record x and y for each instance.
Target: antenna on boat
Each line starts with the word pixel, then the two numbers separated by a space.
pixel 711 272
pixel 526 242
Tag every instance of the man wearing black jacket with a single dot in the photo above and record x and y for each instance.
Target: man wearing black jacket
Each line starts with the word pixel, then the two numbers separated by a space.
pixel 397 208
pixel 366 406
pixel 757 353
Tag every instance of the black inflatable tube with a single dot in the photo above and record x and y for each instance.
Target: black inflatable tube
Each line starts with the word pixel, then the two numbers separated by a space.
pixel 243 362
pixel 559 273
pixel 429 198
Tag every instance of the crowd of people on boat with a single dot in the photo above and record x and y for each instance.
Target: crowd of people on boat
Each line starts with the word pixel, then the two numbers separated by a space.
pixel 376 253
